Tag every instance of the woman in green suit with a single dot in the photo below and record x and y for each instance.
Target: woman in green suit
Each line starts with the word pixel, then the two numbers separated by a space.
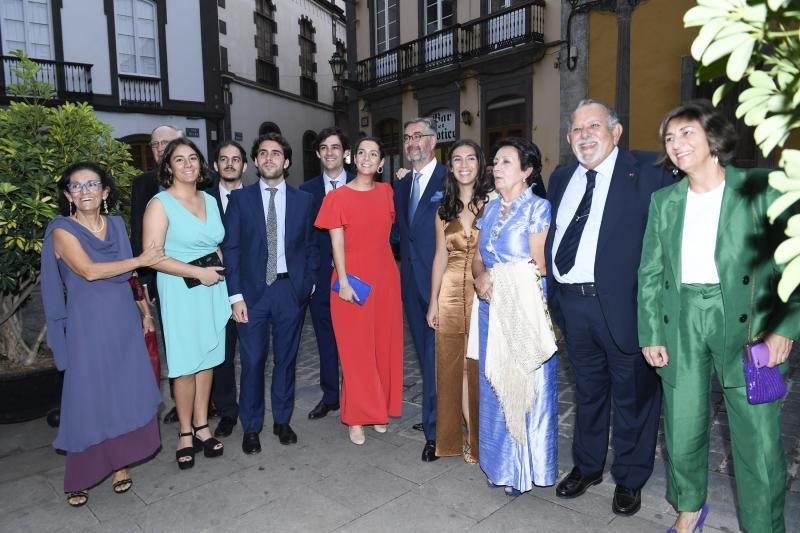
pixel 704 286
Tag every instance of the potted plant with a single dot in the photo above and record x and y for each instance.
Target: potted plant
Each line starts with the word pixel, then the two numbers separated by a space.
pixel 38 139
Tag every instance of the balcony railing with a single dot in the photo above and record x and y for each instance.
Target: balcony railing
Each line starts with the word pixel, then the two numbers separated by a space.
pixel 139 91
pixel 519 24
pixel 70 81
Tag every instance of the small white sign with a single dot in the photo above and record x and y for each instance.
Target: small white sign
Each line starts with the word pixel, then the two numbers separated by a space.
pixel 445 125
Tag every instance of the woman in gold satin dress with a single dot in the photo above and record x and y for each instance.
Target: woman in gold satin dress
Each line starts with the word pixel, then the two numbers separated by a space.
pixel 466 190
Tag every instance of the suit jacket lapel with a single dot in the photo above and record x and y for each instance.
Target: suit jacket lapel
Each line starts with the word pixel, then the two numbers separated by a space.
pixel 734 218
pixel 257 211
pixel 672 215
pixel 618 200
pixel 403 192
pixel 434 185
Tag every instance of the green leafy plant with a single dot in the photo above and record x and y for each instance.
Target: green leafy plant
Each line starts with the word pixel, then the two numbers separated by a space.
pixel 38 140
pixel 758 41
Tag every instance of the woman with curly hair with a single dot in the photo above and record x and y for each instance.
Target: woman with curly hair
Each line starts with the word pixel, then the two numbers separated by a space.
pixel 466 190
pixel 194 298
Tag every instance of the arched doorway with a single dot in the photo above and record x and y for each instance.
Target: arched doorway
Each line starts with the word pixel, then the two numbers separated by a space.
pixel 505 117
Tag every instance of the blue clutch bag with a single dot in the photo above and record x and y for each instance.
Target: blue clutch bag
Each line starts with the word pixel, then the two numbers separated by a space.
pixel 361 288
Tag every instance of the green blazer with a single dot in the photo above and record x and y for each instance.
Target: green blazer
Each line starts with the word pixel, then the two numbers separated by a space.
pixel 745 244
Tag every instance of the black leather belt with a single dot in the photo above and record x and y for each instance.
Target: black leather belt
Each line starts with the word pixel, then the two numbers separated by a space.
pixel 582 289
pixel 282 275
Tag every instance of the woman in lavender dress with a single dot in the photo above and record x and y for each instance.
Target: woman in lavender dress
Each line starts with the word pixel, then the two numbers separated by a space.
pixel 513 228
pixel 109 399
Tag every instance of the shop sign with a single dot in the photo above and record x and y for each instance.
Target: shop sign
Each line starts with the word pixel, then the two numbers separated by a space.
pixel 445 125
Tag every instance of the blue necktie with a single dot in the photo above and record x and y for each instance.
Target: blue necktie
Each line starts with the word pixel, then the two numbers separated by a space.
pixel 568 247
pixel 415 194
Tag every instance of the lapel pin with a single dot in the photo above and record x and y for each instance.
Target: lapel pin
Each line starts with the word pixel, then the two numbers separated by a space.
pixel 631 174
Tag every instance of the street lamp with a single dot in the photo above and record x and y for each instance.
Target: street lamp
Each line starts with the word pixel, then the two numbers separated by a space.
pixel 338 63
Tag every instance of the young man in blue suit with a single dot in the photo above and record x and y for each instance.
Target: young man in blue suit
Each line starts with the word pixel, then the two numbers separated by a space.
pixel 599 210
pixel 332 147
pixel 416 199
pixel 271 261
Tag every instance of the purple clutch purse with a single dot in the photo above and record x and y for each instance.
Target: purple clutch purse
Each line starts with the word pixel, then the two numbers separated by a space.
pixel 764 384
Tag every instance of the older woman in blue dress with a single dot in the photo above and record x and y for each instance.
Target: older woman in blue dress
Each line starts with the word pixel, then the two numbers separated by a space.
pixel 109 400
pixel 517 423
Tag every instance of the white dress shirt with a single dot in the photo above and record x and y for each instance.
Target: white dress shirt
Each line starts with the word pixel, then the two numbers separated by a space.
pixel 224 195
pixel 583 271
pixel 699 239
pixel 340 180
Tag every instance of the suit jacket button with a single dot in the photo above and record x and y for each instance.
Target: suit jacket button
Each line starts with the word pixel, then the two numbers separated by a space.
pixel 666 319
pixel 742 318
pixel 746 280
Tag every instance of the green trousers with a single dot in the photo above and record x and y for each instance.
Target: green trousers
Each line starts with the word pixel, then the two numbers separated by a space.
pixel 758 457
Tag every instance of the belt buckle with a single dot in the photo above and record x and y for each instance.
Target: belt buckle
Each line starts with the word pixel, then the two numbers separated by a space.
pixel 583 289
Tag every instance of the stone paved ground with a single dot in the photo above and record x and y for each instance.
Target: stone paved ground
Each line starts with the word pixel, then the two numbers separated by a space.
pixel 324 483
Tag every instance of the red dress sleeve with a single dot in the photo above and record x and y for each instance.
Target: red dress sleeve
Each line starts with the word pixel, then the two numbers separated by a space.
pixel 389 199
pixel 331 214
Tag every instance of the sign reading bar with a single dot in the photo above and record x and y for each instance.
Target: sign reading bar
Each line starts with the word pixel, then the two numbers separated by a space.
pixel 445 125
pixel 193 132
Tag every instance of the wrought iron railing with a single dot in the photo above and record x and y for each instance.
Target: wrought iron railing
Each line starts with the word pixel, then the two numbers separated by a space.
pixel 140 91
pixel 70 81
pixel 518 24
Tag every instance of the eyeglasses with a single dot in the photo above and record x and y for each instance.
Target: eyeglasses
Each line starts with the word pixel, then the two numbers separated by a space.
pixel 160 144
pixel 90 186
pixel 417 137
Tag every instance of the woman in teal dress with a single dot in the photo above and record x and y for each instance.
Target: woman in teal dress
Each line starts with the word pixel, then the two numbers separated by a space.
pixel 187 223
pixel 513 228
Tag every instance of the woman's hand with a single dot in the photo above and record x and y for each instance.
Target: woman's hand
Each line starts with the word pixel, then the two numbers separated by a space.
pixel 151 255
pixel 779 348
pixel 656 356
pixel 347 293
pixel 483 286
pixel 433 315
pixel 210 275
pixel 148 324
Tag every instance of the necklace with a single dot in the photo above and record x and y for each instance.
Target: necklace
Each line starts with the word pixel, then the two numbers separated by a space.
pixel 98 230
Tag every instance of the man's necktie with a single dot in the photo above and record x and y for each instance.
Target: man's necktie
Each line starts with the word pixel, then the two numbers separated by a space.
pixel 272 238
pixel 568 247
pixel 415 194
pixel 334 183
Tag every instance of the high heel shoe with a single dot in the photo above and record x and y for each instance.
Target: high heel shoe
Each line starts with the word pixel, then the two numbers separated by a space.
pixel 187 451
pixel 700 521
pixel 357 436
pixel 209 446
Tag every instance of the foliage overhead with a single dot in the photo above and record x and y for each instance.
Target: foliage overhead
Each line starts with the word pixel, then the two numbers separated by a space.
pixel 758 42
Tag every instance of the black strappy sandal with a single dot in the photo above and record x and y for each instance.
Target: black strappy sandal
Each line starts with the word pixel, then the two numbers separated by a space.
pixel 122 486
pixel 209 446
pixel 81 494
pixel 188 451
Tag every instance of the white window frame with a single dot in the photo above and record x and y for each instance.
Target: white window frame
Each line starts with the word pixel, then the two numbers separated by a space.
pixel 439 17
pixel 26 15
pixel 136 38
pixel 390 41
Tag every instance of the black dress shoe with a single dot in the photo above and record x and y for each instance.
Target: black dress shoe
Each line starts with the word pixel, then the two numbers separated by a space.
pixel 575 484
pixel 429 451
pixel 171 417
pixel 284 433
pixel 322 409
pixel 626 501
pixel 418 427
pixel 225 426
pixel 251 443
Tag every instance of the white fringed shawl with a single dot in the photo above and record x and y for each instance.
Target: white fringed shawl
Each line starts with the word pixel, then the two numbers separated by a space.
pixel 520 339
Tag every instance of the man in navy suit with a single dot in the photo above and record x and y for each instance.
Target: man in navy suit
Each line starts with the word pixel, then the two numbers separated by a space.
pixel 599 209
pixel 332 147
pixel 271 261
pixel 416 199
pixel 230 162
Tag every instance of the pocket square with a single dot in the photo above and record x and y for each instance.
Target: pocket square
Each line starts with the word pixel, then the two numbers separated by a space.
pixel 361 288
pixel 437 196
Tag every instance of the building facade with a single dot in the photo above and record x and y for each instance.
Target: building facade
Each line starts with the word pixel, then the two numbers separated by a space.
pixel 485 69
pixel 139 63
pixel 275 72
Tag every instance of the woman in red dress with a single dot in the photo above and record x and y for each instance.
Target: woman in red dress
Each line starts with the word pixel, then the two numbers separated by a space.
pixel 369 330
